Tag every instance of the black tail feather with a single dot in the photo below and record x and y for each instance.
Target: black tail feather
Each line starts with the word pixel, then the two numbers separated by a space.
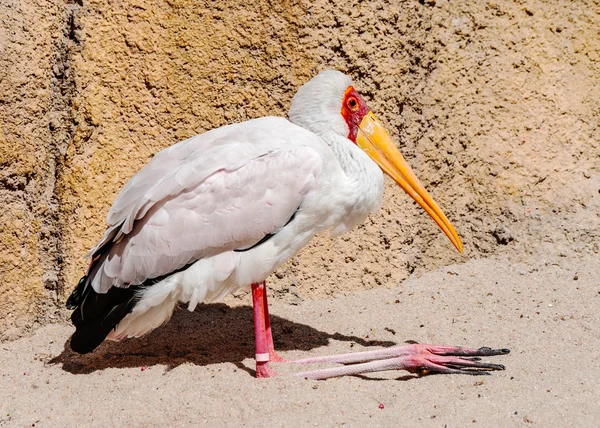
pixel 95 314
pixel 76 296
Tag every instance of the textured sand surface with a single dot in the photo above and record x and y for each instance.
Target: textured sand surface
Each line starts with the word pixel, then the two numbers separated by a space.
pixel 199 370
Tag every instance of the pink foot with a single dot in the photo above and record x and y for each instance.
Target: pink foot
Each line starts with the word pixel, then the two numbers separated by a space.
pixel 264 370
pixel 422 359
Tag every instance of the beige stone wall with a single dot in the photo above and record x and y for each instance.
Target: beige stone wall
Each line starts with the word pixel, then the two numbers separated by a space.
pixel 494 103
pixel 32 136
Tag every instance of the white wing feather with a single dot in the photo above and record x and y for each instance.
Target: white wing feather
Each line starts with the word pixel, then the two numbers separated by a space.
pixel 216 192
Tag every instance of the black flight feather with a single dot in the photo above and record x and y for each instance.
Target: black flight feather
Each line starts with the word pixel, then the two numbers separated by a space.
pixel 95 315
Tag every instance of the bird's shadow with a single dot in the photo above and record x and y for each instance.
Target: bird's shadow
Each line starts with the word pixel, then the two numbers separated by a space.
pixel 213 333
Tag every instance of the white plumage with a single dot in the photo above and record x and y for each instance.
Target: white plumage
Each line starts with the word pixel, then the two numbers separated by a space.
pixel 196 202
pixel 224 209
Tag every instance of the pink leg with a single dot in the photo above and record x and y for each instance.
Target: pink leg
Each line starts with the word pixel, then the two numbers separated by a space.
pixel 273 357
pixel 260 332
pixel 416 358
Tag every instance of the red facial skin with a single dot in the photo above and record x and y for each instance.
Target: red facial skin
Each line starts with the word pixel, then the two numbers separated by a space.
pixel 354 110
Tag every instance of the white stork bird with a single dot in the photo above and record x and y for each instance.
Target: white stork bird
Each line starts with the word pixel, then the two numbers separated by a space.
pixel 224 209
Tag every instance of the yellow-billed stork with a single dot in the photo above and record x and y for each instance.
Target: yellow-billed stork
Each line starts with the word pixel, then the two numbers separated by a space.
pixel 224 209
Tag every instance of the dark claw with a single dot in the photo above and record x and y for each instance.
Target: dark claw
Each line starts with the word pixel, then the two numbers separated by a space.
pixel 452 370
pixel 479 367
pixel 455 370
pixel 487 352
pixel 451 364
pixel 469 352
pixel 475 372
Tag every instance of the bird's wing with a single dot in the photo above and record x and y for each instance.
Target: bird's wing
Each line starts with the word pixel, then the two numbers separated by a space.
pixel 200 198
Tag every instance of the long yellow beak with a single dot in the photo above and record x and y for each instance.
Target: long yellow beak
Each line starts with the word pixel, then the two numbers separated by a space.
pixel 377 143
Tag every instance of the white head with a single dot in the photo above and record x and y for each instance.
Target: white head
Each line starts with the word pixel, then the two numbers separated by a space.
pixel 328 104
pixel 317 104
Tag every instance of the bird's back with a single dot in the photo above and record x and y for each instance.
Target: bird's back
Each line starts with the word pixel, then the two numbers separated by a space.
pixel 218 192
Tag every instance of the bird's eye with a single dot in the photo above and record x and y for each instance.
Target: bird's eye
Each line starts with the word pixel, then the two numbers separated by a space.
pixel 352 103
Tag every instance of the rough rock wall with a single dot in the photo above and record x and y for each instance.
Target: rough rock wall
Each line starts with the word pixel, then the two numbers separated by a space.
pixel 35 129
pixel 495 104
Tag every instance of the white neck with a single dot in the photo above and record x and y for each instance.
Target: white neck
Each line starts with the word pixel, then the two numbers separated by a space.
pixel 362 191
pixel 317 108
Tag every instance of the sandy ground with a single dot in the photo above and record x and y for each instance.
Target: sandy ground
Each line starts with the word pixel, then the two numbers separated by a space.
pixel 197 370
